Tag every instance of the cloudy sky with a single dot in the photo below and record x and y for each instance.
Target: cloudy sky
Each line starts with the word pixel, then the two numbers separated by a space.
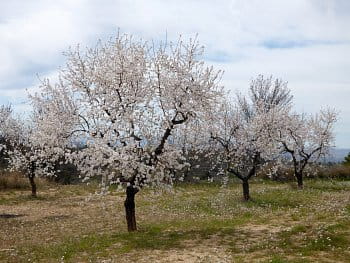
pixel 305 42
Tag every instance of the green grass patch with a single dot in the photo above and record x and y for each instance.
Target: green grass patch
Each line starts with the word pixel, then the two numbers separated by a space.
pixel 347 209
pixel 149 237
pixel 328 185
pixel 281 198
pixel 281 259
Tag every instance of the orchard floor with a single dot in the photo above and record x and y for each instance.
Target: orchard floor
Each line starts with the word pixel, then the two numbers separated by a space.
pixel 194 223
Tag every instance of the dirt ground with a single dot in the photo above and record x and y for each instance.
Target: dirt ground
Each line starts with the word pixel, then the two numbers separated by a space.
pixel 192 224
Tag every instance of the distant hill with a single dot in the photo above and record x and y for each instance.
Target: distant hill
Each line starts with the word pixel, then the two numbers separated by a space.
pixel 337 155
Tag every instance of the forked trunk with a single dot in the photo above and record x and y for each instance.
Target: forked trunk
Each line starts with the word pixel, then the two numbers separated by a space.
pixel 130 208
pixel 245 185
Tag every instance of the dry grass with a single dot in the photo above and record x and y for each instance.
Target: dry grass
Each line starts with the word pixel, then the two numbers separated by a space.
pixel 195 223
pixel 13 180
pixel 17 181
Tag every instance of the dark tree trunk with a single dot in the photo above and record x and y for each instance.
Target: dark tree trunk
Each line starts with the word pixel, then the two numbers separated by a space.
pixel 33 185
pixel 31 178
pixel 130 208
pixel 245 181
pixel 245 184
pixel 299 177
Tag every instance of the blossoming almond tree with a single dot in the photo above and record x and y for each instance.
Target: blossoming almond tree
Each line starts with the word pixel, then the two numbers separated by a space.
pixel 247 143
pixel 8 126
pixel 129 97
pixel 27 158
pixel 36 142
pixel 14 136
pixel 245 128
pixel 306 138
pixel 191 141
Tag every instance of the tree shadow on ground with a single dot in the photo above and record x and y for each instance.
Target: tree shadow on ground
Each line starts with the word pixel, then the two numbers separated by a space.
pixel 8 216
